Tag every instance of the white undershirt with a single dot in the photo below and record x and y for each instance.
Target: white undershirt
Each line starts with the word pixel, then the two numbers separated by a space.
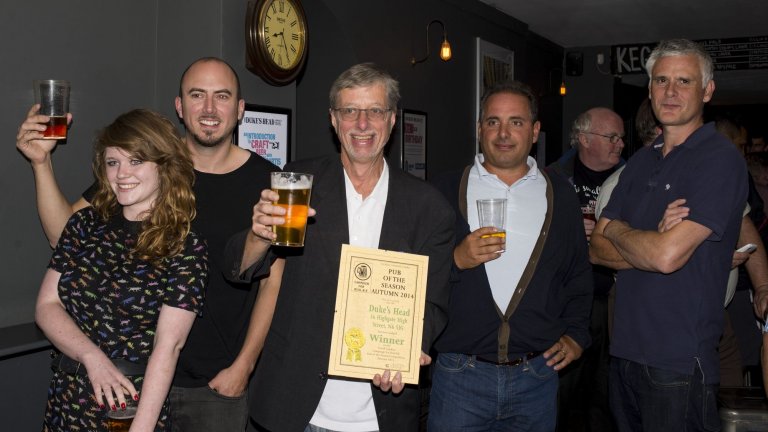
pixel 348 405
pixel 526 209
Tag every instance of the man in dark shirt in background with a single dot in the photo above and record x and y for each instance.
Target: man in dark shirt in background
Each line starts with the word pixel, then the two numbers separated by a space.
pixel 597 138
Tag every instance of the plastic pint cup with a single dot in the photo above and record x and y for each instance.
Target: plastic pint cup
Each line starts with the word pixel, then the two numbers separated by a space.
pixel 493 213
pixel 294 190
pixel 53 97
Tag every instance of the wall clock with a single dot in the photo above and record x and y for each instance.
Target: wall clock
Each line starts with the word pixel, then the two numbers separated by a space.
pixel 275 39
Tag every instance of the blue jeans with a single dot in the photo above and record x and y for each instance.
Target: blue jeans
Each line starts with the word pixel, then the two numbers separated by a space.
pixel 645 398
pixel 200 409
pixel 468 395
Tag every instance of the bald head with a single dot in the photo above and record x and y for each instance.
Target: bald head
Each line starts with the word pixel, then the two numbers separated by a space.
pixel 592 133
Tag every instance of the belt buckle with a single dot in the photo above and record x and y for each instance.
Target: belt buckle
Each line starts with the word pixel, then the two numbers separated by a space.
pixel 520 360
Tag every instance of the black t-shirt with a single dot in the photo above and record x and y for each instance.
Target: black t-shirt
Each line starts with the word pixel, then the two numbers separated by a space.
pixel 224 208
pixel 587 184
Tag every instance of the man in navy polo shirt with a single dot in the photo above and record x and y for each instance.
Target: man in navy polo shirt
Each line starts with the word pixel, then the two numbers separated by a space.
pixel 671 281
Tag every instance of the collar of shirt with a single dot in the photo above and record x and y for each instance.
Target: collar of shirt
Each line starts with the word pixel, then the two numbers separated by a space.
pixel 365 216
pixel 486 176
pixel 694 140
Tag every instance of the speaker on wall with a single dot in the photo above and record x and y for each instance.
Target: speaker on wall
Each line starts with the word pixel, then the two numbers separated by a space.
pixel 574 63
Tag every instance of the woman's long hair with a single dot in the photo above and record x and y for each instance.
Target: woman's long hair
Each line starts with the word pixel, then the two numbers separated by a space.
pixel 150 137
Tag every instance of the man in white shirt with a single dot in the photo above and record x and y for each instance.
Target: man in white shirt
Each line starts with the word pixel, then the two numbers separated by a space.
pixel 519 309
pixel 361 201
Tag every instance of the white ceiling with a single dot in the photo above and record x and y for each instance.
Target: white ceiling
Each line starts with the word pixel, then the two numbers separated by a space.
pixel 591 23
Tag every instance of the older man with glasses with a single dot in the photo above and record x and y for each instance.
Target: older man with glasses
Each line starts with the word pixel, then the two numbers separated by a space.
pixel 362 201
pixel 597 138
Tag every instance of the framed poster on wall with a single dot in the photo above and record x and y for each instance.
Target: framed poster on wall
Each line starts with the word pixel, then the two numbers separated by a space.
pixel 414 142
pixel 492 64
pixel 266 131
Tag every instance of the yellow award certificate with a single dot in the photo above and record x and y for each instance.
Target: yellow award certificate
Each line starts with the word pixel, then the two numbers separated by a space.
pixel 379 316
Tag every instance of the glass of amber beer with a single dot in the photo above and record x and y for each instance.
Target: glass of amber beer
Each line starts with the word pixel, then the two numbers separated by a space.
pixel 294 190
pixel 588 212
pixel 53 97
pixel 493 213
pixel 120 420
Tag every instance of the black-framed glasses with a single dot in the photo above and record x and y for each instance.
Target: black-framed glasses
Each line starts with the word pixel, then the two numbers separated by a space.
pixel 612 138
pixel 352 114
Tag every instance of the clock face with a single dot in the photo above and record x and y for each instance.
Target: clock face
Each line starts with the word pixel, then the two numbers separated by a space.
pixel 282 30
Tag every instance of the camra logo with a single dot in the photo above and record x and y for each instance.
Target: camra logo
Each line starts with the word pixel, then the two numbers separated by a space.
pixel 362 271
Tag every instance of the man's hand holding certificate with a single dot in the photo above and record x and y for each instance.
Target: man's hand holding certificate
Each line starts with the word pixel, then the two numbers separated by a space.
pixel 379 314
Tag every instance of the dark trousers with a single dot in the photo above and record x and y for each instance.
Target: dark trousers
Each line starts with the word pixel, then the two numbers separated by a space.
pixel 648 399
pixel 583 395
pixel 731 369
pixel 200 409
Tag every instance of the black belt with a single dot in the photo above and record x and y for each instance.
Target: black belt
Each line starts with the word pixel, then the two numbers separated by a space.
pixel 515 362
pixel 65 364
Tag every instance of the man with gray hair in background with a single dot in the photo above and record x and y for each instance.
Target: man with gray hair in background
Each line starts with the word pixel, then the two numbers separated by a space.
pixel 597 138
pixel 671 278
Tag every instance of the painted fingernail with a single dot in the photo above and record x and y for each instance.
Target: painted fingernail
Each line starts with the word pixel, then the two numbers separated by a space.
pixel 122 405
pixel 136 397
pixel 101 406
pixel 114 408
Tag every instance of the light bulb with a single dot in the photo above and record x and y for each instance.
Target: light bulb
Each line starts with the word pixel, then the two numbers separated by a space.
pixel 445 50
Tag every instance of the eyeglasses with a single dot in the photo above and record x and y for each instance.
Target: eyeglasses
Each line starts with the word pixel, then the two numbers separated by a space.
pixel 612 138
pixel 352 114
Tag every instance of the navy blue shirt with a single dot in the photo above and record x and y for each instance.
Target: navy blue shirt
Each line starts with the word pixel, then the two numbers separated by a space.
pixel 673 321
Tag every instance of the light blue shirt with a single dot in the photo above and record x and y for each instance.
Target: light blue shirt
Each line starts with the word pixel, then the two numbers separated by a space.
pixel 526 209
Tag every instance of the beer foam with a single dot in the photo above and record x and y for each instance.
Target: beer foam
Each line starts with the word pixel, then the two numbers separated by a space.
pixel 303 181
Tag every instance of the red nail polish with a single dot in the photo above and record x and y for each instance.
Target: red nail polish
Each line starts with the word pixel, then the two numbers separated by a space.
pixel 114 408
pixel 101 406
pixel 136 397
pixel 122 405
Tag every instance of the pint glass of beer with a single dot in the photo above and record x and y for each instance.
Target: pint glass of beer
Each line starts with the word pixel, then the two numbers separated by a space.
pixel 120 420
pixel 588 212
pixel 53 97
pixel 294 190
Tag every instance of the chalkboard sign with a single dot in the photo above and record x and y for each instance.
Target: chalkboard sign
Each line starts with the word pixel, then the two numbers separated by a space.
pixel 727 54
pixel 738 53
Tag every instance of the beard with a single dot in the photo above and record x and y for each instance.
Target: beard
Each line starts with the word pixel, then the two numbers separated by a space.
pixel 211 140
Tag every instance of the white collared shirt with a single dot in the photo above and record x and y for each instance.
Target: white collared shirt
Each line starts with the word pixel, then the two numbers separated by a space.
pixel 348 405
pixel 526 209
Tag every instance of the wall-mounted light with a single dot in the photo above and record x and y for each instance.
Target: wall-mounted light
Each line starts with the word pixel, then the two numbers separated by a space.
pixel 445 47
pixel 554 74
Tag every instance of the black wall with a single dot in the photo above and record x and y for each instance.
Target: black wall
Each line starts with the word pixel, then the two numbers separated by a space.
pixel 341 35
pixel 121 55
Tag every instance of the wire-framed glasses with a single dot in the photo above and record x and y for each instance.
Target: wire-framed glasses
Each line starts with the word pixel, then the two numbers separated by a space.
pixel 352 114
pixel 614 138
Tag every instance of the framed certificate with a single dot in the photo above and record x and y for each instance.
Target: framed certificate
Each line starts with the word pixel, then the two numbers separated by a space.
pixel 266 131
pixel 379 315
